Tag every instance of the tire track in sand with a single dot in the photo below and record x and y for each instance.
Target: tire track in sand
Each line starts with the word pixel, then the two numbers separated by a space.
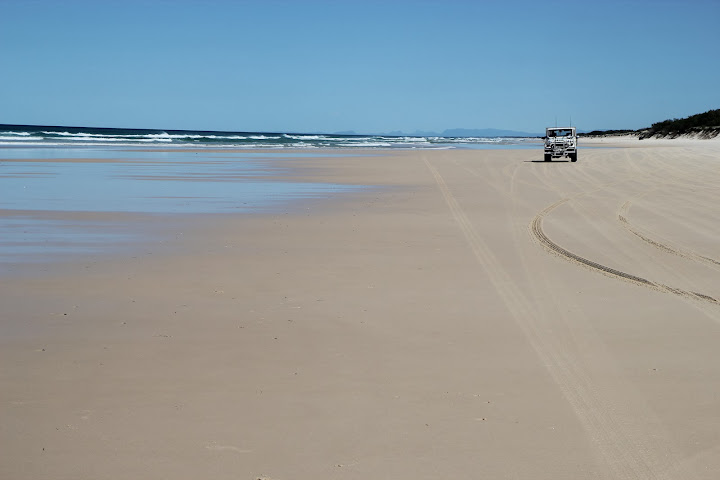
pixel 545 241
pixel 665 247
pixel 626 453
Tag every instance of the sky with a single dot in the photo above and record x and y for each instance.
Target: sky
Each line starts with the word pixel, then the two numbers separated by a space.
pixel 364 66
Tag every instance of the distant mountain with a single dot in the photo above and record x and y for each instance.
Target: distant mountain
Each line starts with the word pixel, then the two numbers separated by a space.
pixel 486 132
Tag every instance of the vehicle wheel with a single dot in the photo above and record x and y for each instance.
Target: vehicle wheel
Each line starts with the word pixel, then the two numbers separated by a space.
pixel 573 157
pixel 548 157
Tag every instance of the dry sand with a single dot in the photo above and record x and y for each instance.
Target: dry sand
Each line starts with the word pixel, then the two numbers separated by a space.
pixel 483 314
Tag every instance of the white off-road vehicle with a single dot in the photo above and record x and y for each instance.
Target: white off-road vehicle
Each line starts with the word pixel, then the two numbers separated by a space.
pixel 560 142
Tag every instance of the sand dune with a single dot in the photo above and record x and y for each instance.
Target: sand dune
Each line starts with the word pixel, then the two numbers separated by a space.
pixel 478 314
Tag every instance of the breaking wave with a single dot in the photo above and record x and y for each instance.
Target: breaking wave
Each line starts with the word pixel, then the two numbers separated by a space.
pixel 14 135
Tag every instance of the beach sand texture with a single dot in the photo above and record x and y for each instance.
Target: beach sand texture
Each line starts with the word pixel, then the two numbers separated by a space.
pixel 481 314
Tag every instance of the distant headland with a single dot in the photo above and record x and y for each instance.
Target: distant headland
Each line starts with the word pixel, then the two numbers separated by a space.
pixel 702 125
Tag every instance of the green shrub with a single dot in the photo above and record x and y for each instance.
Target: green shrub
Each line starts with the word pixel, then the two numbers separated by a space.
pixel 708 123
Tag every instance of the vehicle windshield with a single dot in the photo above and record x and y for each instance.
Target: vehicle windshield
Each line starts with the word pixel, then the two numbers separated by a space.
pixel 563 132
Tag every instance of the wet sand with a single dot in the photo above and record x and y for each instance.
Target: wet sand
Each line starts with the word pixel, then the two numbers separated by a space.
pixel 480 314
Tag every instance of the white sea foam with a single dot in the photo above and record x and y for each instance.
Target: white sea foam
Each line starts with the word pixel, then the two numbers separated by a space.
pixel 306 137
pixel 88 135
pixel 18 138
pixel 414 139
pixel 365 144
pixel 116 139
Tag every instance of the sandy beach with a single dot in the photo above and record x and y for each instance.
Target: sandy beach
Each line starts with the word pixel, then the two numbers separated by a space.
pixel 475 314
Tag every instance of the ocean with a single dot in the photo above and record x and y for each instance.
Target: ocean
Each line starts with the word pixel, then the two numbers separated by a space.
pixel 53 136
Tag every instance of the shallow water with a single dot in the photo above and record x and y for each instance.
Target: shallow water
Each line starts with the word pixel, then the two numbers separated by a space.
pixel 39 185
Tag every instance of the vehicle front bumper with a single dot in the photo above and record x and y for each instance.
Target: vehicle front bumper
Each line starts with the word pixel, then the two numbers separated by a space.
pixel 557 151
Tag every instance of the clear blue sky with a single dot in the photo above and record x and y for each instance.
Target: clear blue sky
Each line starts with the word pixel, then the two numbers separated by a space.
pixel 367 66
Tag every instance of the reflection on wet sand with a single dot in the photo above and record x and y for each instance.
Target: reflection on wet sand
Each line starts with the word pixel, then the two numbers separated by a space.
pixel 48 194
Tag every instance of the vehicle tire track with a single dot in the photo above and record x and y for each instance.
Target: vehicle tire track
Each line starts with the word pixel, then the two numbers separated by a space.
pixel 627 454
pixel 680 252
pixel 680 175
pixel 539 234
